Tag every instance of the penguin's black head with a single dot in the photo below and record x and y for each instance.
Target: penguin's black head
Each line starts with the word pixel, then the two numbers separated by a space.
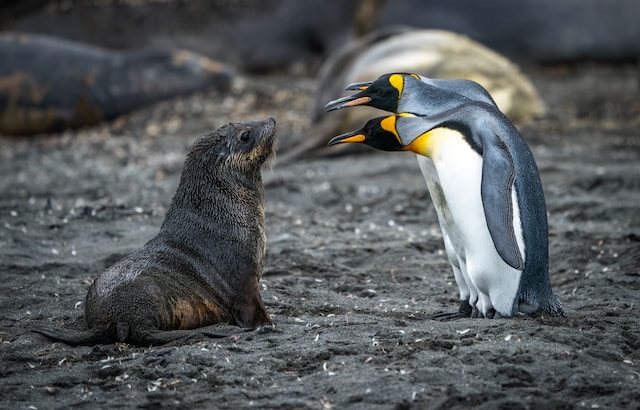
pixel 383 93
pixel 378 133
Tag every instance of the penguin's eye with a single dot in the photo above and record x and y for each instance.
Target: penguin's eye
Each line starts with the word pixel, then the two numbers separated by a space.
pixel 244 136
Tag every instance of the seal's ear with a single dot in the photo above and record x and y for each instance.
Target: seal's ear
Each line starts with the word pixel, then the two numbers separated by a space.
pixel 248 309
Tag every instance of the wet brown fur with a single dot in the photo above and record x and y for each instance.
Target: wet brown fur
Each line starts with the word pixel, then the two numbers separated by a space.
pixel 204 265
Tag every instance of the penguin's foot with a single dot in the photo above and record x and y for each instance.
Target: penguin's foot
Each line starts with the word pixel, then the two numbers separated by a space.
pixel 463 312
pixel 491 314
pixel 476 314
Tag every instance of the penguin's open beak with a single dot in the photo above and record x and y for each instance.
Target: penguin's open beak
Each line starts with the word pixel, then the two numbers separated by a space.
pixel 358 86
pixel 353 136
pixel 348 101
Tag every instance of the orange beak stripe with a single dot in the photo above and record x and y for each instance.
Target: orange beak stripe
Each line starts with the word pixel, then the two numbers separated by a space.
pixel 355 138
pixel 357 101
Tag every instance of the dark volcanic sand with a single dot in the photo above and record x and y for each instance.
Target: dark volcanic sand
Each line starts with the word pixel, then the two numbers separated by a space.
pixel 354 270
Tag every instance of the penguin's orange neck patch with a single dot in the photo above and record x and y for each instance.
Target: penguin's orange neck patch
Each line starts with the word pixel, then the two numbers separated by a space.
pixel 427 144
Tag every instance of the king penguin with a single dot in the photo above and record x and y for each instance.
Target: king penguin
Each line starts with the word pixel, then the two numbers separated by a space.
pixel 483 181
pixel 412 93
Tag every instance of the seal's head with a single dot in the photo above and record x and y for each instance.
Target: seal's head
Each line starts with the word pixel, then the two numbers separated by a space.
pixel 237 146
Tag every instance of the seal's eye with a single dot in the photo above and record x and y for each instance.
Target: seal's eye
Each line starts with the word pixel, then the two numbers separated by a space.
pixel 244 137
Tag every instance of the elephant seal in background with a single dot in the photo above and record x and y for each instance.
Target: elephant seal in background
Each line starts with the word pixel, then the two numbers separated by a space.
pixel 431 53
pixel 204 265
pixel 49 84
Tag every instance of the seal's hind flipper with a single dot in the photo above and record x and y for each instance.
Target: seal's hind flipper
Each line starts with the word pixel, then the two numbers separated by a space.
pixel 76 338
pixel 161 337
pixel 148 338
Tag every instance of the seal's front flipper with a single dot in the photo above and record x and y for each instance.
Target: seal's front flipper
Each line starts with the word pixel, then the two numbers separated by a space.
pixel 161 337
pixel 463 312
pixel 76 338
pixel 248 309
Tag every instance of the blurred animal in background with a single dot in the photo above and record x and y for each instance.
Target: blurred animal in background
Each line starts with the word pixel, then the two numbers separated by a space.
pixel 49 84
pixel 435 54
pixel 431 53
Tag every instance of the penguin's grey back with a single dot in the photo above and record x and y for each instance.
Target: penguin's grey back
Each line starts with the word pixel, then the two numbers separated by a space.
pixel 535 287
pixel 476 120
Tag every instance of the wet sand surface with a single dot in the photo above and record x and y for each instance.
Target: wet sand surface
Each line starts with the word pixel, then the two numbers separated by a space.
pixel 354 269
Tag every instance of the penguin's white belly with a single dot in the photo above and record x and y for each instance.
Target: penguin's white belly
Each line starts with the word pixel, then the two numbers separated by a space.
pixel 454 176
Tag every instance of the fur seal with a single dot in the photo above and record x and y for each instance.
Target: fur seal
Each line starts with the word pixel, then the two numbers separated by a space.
pixel 204 265
pixel 49 84
pixel 431 53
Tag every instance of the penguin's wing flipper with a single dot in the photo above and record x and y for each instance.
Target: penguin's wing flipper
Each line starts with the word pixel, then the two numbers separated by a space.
pixel 498 174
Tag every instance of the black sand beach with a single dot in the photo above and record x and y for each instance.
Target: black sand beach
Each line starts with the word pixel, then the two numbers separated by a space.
pixel 354 269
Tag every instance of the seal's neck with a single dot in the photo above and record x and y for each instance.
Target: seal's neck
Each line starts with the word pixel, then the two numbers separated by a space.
pixel 215 225
pixel 228 197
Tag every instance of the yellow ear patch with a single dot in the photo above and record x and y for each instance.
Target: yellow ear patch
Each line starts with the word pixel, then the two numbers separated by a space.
pixel 397 82
pixel 389 125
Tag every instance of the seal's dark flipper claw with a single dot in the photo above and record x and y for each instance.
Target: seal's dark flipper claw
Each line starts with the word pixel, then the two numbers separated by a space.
pixel 248 310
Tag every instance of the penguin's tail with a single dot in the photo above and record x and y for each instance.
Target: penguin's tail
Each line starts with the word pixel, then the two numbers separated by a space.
pixel 536 305
pixel 553 307
pixel 89 337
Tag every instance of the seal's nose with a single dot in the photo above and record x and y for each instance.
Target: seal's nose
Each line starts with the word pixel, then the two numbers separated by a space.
pixel 268 127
